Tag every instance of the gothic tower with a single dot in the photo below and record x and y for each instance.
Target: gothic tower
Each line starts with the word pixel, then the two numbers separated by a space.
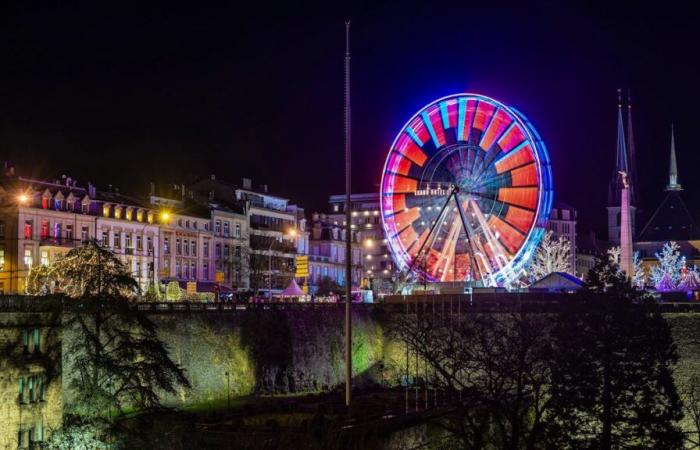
pixel 622 164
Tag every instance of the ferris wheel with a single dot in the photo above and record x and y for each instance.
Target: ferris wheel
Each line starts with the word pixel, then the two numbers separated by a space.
pixel 466 192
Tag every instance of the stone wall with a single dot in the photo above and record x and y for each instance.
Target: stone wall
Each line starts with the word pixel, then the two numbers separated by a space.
pixel 269 351
pixel 38 415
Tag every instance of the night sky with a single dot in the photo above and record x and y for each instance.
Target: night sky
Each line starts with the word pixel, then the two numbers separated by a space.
pixel 123 95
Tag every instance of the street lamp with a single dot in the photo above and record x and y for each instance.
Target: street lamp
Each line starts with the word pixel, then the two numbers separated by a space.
pixel 292 233
pixel 23 199
pixel 228 389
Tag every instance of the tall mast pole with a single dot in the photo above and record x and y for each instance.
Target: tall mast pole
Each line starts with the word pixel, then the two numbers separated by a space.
pixel 348 226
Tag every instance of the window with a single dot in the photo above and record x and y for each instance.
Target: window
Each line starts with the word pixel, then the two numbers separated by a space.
pixel 84 233
pixel 44 229
pixel 28 258
pixel 238 230
pixel 22 394
pixel 36 340
pixel 194 224
pixel 58 232
pixel 127 240
pixel 178 269
pixel 218 250
pixel 139 242
pixel 44 257
pixel 85 207
pixel 117 241
pixel 217 227
pixel 187 224
pixel 128 213
pixel 149 243
pixel 186 247
pixel 138 269
pixel 237 252
pixel 2 259
pixel 178 247
pixel 69 233
pixel 227 229
pixel 117 212
pixel 193 270
pixel 193 248
pixel 205 249
pixel 28 225
pixel 166 245
pixel 185 269
pixel 205 271
pixel 227 251
pixel 105 239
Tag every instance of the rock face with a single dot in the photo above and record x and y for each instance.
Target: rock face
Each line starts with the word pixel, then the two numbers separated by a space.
pixel 269 351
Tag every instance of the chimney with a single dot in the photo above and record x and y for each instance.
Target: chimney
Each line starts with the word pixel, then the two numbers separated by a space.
pixel 213 177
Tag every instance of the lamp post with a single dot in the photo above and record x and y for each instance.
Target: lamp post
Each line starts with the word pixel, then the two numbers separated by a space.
pixel 291 233
pixel 228 389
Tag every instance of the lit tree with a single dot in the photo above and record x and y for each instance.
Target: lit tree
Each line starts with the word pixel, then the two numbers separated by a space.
pixel 553 255
pixel 112 353
pixel 639 278
pixel 667 273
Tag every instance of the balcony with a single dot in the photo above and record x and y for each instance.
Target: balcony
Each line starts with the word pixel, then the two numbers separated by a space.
pixel 56 242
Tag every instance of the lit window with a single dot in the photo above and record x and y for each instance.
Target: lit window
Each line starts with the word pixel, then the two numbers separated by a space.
pixel 227 229
pixel 44 257
pixel 193 248
pixel 2 259
pixel 28 258
pixel 117 241
pixel 205 249
pixel 193 270
pixel 238 230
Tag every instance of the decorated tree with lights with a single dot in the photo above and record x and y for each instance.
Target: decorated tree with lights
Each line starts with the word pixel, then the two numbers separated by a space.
pixel 667 273
pixel 639 278
pixel 553 255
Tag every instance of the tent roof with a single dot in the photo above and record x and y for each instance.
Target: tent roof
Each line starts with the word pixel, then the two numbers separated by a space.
pixel 293 290
pixel 557 281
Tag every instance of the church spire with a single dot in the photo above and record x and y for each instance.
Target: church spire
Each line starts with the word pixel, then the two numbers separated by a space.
pixel 621 161
pixel 630 147
pixel 673 169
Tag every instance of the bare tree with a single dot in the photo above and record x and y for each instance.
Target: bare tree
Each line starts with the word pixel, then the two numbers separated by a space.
pixel 553 255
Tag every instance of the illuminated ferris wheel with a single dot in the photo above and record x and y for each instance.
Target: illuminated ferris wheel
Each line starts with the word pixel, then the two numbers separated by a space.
pixel 466 192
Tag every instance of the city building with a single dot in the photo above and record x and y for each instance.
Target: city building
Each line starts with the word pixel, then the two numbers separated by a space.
pixel 562 223
pixel 273 231
pixel 41 220
pixel 327 254
pixel 378 265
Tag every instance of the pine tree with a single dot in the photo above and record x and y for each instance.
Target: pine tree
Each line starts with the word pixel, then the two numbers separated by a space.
pixel 553 255
pixel 612 378
pixel 113 357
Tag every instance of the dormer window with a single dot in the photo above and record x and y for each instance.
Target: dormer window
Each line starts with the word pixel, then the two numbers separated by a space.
pixel 46 199
pixel 117 212
pixel 139 215
pixel 129 213
pixel 85 205
pixel 105 210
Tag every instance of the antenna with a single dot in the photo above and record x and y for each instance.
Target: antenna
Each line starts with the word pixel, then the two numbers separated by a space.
pixel 348 225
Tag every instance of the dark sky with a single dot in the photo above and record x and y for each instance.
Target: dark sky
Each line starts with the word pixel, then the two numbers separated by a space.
pixel 125 94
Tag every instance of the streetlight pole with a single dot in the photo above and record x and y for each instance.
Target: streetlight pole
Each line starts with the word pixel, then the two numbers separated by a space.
pixel 348 226
pixel 228 389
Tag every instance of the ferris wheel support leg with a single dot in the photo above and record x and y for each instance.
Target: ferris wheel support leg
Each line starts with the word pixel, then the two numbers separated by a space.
pixel 430 232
